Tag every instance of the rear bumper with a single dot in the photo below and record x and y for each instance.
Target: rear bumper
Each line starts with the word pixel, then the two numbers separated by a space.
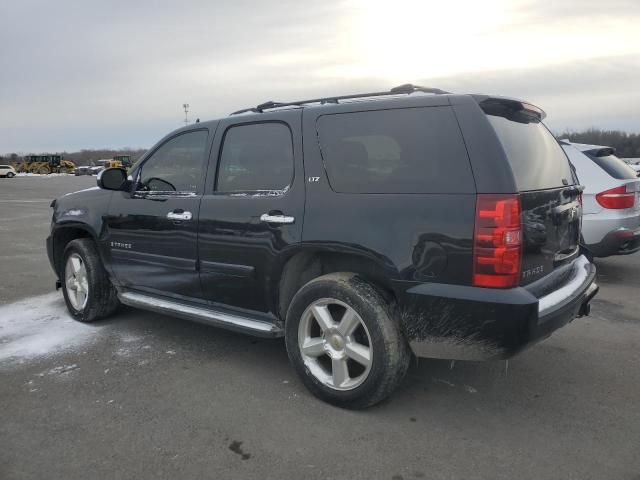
pixel 469 323
pixel 622 241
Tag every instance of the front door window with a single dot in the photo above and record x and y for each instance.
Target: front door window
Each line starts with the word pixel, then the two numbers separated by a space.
pixel 176 166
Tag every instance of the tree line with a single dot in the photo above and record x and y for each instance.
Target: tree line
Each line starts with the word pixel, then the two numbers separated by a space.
pixel 627 145
pixel 82 157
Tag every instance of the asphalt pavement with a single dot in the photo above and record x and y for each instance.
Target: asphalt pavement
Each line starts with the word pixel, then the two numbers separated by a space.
pixel 146 396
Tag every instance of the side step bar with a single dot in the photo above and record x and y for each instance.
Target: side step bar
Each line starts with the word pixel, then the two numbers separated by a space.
pixel 202 315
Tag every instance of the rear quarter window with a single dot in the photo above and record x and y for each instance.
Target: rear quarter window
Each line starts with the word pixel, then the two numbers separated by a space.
pixel 536 158
pixel 410 150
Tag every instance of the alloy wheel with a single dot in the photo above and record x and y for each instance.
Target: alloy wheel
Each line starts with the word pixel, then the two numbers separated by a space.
pixel 76 281
pixel 335 344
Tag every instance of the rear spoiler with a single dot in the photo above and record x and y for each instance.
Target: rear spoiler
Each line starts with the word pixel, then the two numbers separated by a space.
pixel 510 108
pixel 594 151
pixel 601 152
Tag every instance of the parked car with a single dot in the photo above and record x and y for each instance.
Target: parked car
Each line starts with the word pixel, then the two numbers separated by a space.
pixel 611 200
pixel 633 163
pixel 7 171
pixel 96 170
pixel 337 224
pixel 82 170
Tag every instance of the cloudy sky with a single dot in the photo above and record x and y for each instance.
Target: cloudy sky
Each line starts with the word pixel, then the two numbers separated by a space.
pixel 87 73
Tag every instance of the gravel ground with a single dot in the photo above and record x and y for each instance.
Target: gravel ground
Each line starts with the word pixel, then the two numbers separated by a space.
pixel 148 396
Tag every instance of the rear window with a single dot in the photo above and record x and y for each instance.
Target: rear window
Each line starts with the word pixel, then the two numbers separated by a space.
pixel 410 150
pixel 614 166
pixel 536 158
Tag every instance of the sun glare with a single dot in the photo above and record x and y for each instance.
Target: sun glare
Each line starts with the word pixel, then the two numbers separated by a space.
pixel 416 39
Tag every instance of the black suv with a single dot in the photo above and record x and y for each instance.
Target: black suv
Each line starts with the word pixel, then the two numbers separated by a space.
pixel 362 228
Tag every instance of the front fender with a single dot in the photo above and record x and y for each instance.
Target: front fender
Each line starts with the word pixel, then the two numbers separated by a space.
pixel 75 215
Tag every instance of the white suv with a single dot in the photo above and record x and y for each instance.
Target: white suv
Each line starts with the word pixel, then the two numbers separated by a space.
pixel 633 163
pixel 611 200
pixel 7 171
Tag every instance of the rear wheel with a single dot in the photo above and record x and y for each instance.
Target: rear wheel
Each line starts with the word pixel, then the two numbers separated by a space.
pixel 87 290
pixel 343 341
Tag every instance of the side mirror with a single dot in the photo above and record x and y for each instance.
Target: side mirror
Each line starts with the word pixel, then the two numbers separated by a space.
pixel 112 179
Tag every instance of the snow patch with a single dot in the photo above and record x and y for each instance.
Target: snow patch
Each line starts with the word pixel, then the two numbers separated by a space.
pixel 59 370
pixel 48 175
pixel 443 381
pixel 40 327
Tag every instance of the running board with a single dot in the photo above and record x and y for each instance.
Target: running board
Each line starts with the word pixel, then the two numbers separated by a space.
pixel 202 315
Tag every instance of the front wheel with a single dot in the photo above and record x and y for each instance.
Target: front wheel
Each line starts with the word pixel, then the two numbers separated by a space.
pixel 343 341
pixel 10 175
pixel 87 290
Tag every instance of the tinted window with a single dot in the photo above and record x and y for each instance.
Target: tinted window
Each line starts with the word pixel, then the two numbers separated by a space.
pixel 411 150
pixel 537 159
pixel 177 165
pixel 614 166
pixel 256 157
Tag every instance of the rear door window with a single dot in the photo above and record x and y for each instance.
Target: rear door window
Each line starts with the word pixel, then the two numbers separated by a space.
pixel 613 166
pixel 536 158
pixel 256 157
pixel 410 150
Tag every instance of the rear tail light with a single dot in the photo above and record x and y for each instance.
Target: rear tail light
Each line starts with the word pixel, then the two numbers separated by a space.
pixel 497 242
pixel 617 198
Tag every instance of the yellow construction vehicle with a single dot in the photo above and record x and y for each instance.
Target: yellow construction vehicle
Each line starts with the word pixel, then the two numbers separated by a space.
pixel 45 164
pixel 125 161
pixel 118 161
pixel 22 166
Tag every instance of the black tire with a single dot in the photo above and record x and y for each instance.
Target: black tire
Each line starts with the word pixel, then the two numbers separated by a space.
pixel 10 175
pixel 102 299
pixel 390 352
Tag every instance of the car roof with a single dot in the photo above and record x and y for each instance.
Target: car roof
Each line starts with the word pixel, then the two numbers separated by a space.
pixel 404 96
pixel 401 91
pixel 594 176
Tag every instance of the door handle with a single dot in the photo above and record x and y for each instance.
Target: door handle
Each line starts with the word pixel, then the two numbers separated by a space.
pixel 281 219
pixel 179 215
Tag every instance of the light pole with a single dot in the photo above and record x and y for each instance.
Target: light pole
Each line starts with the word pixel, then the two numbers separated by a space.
pixel 186 111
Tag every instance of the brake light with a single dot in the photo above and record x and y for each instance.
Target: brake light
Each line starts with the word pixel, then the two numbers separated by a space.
pixel 617 198
pixel 497 242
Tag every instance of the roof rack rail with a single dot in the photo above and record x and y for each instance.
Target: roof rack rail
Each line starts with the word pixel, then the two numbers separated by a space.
pixel 407 89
